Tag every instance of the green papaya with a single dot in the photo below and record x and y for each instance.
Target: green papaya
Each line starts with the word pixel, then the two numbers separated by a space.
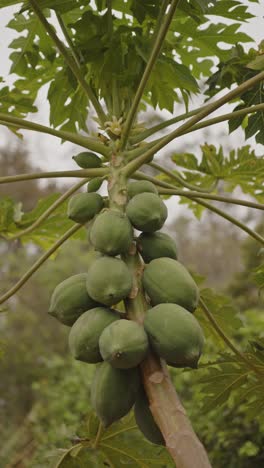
pixel 113 392
pixel 167 280
pixel 84 206
pixel 95 184
pixel 153 245
pixel 111 233
pixel 145 420
pixel 85 333
pixel 140 186
pixel 147 212
pixel 108 279
pixel 70 299
pixel 123 344
pixel 87 160
pixel 174 334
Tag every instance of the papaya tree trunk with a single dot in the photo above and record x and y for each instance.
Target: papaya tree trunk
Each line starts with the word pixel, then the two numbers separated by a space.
pixel 181 441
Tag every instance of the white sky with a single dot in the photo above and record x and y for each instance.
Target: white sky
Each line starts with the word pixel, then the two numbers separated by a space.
pixel 47 150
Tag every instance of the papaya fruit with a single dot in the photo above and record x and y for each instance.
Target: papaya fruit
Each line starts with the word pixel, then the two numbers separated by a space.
pixel 167 280
pixel 87 160
pixel 145 420
pixel 123 344
pixel 113 392
pixel 84 206
pixel 70 299
pixel 147 212
pixel 108 280
pixel 153 245
pixel 174 334
pixel 95 184
pixel 111 233
pixel 140 186
pixel 85 332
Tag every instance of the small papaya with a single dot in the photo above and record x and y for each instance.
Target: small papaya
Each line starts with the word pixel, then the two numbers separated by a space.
pixel 109 279
pixel 140 186
pixel 174 334
pixel 113 392
pixel 153 245
pixel 123 344
pixel 87 160
pixel 70 299
pixel 145 421
pixel 167 280
pixel 84 206
pixel 147 212
pixel 111 233
pixel 85 332
pixel 95 184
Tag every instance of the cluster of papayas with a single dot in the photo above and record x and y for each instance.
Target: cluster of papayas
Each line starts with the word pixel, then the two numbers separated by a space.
pixel 100 334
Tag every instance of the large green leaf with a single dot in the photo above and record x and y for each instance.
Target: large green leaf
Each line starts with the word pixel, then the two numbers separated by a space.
pixel 120 444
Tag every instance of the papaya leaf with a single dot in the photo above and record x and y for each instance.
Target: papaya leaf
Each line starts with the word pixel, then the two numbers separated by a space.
pixel 120 444
pixel 242 167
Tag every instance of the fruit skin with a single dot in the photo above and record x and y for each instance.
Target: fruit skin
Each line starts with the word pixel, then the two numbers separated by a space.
pixel 147 212
pixel 70 299
pixel 140 186
pixel 111 233
pixel 113 392
pixel 85 333
pixel 87 160
pixel 174 334
pixel 124 344
pixel 145 420
pixel 108 280
pixel 153 245
pixel 84 206
pixel 95 184
pixel 91 257
pixel 167 280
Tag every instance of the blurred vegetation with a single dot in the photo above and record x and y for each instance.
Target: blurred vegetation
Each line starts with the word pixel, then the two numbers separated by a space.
pixel 44 394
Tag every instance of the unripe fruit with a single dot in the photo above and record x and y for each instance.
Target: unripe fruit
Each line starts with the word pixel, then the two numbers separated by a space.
pixel 167 280
pixel 140 186
pixel 87 160
pixel 174 334
pixel 82 207
pixel 153 245
pixel 111 233
pixel 108 279
pixel 147 212
pixel 124 344
pixel 70 299
pixel 95 184
pixel 85 333
pixel 145 420
pixel 113 392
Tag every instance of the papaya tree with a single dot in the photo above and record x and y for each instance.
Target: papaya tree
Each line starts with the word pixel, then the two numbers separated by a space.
pixel 108 62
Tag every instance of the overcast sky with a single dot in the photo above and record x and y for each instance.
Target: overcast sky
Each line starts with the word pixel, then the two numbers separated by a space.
pixel 48 148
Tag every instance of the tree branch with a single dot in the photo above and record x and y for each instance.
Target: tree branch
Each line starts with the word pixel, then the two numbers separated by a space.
pixel 150 64
pixel 230 218
pixel 181 180
pixel 207 123
pixel 50 210
pixel 87 142
pixel 88 173
pixel 39 262
pixel 132 166
pixel 69 60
